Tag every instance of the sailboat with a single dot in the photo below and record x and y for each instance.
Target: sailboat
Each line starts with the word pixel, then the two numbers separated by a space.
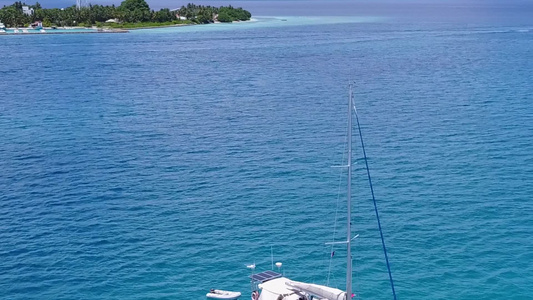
pixel 270 285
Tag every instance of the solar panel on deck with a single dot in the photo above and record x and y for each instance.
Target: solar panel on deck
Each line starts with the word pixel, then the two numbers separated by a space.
pixel 265 276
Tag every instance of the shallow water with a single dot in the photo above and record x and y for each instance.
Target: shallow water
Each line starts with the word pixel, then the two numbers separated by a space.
pixel 156 164
pixel 34 31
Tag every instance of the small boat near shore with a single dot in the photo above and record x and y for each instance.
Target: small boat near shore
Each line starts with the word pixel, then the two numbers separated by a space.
pixel 221 294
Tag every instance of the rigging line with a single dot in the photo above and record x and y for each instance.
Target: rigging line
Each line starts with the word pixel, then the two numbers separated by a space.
pixel 374 199
pixel 336 209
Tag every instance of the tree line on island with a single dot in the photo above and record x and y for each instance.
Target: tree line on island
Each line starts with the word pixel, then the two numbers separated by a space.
pixel 129 14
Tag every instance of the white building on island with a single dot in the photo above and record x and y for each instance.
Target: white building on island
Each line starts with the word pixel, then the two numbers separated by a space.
pixel 27 10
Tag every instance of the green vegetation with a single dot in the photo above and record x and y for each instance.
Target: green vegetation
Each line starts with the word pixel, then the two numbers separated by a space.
pixel 130 14
pixel 208 14
pixel 230 14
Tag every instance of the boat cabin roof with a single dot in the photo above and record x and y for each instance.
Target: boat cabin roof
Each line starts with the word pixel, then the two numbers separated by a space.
pixel 273 288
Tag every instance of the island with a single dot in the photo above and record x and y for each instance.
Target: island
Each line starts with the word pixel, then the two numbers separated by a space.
pixel 130 14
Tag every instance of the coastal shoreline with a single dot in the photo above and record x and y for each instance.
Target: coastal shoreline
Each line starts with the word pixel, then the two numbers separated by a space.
pixel 183 25
pixel 105 30
pixel 75 30
pixel 63 32
pixel 163 26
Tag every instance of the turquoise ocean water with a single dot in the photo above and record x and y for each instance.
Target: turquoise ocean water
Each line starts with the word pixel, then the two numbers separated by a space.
pixel 157 164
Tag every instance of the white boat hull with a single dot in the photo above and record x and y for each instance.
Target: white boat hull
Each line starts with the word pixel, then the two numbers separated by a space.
pixel 220 294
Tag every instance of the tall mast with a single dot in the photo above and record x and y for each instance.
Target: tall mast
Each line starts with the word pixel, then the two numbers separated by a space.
pixel 349 203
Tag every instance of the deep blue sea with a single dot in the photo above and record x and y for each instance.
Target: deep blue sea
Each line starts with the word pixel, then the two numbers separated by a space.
pixel 157 164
